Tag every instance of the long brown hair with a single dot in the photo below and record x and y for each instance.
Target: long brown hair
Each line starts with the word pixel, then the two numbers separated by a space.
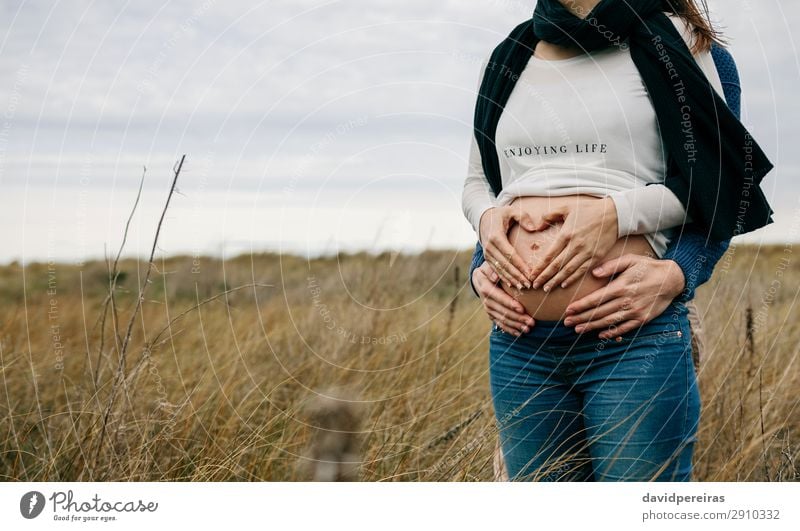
pixel 695 14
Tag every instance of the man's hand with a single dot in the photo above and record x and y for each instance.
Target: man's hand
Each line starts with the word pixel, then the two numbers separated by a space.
pixel 498 251
pixel 503 309
pixel 589 232
pixel 643 289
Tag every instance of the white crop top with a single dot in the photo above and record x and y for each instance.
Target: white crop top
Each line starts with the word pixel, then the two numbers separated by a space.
pixel 584 125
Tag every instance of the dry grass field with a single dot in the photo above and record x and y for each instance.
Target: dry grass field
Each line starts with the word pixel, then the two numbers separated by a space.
pixel 222 375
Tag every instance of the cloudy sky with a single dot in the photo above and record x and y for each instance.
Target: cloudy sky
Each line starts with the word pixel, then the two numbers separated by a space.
pixel 309 125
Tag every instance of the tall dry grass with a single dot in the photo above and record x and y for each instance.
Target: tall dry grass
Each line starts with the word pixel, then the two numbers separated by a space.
pixel 232 389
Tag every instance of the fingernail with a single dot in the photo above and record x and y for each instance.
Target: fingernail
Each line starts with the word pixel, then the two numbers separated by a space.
pixel 535 285
pixel 568 322
pixel 525 329
pixel 547 289
pixel 579 328
pixel 598 270
pixel 563 284
pixel 527 285
pixel 519 286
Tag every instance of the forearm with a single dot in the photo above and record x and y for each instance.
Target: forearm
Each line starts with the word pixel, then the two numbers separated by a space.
pixel 476 197
pixel 648 209
pixel 696 256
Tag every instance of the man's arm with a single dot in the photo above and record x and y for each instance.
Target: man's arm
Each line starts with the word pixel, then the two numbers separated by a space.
pixel 477 260
pixel 694 253
pixel 696 256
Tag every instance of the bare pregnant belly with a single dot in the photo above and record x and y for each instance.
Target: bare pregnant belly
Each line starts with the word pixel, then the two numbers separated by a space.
pixel 531 245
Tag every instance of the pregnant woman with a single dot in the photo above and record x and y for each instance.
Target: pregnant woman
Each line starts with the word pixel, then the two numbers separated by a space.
pixel 600 133
pixel 651 283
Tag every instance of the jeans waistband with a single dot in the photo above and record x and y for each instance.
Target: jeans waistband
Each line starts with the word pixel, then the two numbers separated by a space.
pixel 557 330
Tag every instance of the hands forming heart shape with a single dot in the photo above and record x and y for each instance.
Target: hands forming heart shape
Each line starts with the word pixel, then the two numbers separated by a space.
pixel 583 230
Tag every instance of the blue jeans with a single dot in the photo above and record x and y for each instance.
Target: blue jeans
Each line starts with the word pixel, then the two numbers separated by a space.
pixel 573 407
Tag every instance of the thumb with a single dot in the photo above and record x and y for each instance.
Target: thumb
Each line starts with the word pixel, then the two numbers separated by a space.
pixel 559 214
pixel 617 265
pixel 527 223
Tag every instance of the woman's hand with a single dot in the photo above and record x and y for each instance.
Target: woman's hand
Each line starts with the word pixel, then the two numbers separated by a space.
pixel 587 235
pixel 506 312
pixel 498 251
pixel 643 289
